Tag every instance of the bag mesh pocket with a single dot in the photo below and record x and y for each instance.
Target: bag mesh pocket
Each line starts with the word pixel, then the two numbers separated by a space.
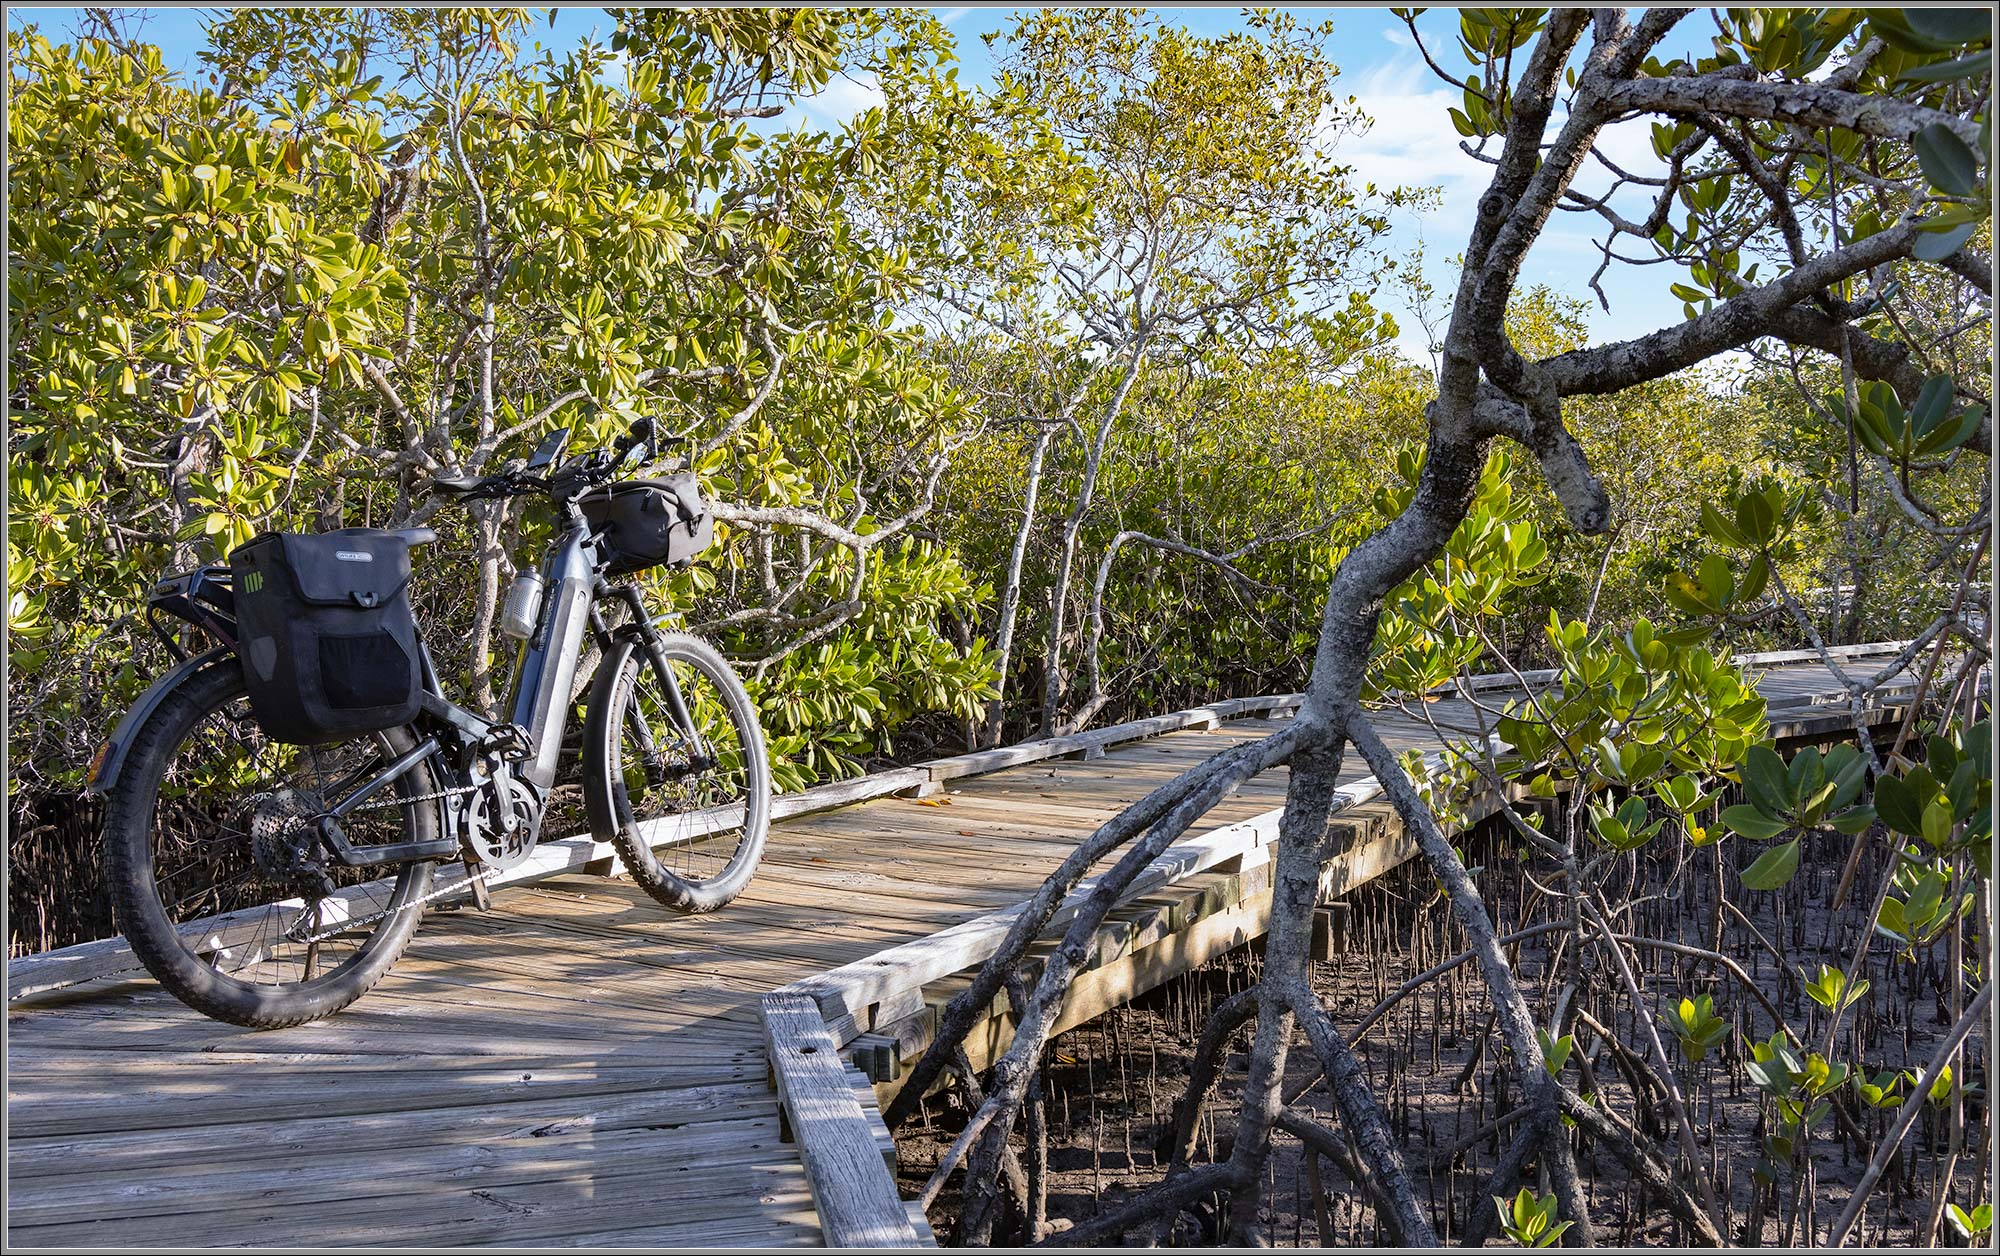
pixel 364 670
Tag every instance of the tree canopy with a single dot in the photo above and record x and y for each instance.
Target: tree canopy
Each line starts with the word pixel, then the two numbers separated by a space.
pixel 1074 395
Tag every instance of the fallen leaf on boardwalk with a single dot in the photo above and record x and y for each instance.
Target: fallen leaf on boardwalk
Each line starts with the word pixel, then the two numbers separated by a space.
pixel 817 859
pixel 967 833
pixel 934 802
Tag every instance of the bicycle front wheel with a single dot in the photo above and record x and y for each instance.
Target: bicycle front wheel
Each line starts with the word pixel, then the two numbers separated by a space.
pixel 215 875
pixel 686 808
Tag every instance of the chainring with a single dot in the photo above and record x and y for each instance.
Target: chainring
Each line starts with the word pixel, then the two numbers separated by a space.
pixel 485 828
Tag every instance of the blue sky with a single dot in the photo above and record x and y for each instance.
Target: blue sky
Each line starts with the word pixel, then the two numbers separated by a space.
pixel 1409 143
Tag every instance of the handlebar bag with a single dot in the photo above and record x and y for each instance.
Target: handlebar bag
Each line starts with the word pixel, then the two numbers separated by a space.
pixel 647 523
pixel 325 633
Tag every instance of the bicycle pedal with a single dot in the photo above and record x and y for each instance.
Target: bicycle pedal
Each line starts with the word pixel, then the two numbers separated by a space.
pixel 510 741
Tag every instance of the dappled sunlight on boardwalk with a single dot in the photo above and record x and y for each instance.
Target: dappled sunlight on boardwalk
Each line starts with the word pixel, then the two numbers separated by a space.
pixel 576 1066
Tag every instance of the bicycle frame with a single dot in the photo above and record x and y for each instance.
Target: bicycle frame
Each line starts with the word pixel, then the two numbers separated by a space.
pixel 543 682
pixel 544 677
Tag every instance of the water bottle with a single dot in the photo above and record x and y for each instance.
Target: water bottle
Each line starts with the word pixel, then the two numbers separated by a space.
pixel 523 608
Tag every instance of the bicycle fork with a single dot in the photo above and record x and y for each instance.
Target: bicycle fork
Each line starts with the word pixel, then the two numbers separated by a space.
pixel 699 758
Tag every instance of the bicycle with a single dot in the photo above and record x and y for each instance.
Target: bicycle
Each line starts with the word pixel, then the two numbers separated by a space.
pixel 271 882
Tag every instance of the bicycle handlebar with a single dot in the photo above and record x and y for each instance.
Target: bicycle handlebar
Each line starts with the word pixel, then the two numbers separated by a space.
pixel 584 470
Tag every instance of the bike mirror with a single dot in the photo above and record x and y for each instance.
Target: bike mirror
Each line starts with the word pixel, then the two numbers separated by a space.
pixel 638 436
pixel 549 450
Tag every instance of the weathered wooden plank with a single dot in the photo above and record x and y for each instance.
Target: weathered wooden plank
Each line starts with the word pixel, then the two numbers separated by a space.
pixel 306 1098
pixel 143 1155
pixel 206 1183
pixel 410 1212
pixel 853 1190
pixel 51 970
pixel 844 990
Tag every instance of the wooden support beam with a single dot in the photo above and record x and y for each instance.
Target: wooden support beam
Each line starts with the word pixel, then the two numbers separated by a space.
pixel 853 1190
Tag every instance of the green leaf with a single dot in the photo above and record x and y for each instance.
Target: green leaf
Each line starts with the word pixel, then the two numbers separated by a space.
pixel 1935 246
pixel 1936 822
pixel 1717 525
pixel 1848 771
pixel 1948 71
pixel 1555 1051
pixel 1753 823
pixel 1755 577
pixel 1971 1224
pixel 1931 402
pixel 1941 1088
pixel 1755 517
pixel 1766 781
pixel 1950 26
pixel 1898 806
pixel 1891 920
pixel 1948 162
pixel 1854 820
pixel 1773 868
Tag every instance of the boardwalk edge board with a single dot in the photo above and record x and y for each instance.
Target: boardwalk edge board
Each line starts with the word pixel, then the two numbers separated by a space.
pixel 110 957
pixel 853 1190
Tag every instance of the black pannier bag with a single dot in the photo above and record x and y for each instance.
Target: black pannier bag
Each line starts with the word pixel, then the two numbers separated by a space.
pixel 644 523
pixel 325 633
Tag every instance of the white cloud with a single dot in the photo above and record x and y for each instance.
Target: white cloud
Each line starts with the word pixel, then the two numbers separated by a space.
pixel 842 98
pixel 1410 142
pixel 847 95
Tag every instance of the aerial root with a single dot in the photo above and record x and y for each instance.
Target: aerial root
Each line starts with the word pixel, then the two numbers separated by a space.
pixel 1387 1178
pixel 1157 1205
pixel 1169 811
pixel 1224 1022
pixel 1639 1160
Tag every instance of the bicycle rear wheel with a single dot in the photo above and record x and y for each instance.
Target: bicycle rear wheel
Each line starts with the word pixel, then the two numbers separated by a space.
pixel 209 823
pixel 687 814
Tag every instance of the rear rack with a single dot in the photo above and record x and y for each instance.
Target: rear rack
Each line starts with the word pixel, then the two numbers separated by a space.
pixel 204 597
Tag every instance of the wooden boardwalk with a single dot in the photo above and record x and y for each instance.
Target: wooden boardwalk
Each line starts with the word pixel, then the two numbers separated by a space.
pixel 581 1067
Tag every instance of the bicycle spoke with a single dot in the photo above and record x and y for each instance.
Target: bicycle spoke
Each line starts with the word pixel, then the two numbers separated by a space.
pixel 690 808
pixel 232 834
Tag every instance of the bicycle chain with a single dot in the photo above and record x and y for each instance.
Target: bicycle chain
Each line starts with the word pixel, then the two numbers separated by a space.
pixel 430 797
pixel 361 921
pixel 346 926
